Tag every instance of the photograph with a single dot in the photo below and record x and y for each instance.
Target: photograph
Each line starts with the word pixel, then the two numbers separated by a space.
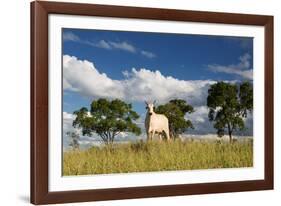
pixel 153 102
pixel 132 102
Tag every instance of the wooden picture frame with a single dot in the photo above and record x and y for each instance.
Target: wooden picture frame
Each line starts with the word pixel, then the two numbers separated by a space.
pixel 40 193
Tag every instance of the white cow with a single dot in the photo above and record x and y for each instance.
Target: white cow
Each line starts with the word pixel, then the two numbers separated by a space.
pixel 155 123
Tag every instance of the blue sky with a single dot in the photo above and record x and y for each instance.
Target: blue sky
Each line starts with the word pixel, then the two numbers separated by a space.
pixel 181 65
pixel 179 55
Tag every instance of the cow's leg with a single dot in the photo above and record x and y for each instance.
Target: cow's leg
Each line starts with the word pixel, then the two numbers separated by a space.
pixel 148 136
pixel 160 136
pixel 152 136
pixel 167 134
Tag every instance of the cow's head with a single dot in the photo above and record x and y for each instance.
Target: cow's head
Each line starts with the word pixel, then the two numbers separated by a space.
pixel 150 107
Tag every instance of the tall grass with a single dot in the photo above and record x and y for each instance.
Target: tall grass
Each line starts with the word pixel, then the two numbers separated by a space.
pixel 157 156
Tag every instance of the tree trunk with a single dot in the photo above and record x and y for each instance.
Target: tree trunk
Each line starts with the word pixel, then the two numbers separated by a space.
pixel 229 133
pixel 112 138
pixel 230 136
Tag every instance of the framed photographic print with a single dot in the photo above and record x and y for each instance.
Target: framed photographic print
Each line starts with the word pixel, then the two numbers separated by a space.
pixel 133 102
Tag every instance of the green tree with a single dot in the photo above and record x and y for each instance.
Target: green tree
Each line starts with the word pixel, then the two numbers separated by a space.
pixel 107 119
pixel 228 105
pixel 74 140
pixel 175 110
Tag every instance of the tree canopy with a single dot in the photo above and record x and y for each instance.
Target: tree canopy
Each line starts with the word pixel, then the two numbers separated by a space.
pixel 175 110
pixel 107 119
pixel 228 105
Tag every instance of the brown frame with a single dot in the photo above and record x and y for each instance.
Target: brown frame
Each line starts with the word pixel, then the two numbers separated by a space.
pixel 39 102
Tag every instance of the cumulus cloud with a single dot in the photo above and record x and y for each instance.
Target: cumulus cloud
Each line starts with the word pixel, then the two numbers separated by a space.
pixel 67 127
pixel 82 76
pixel 84 141
pixel 138 85
pixel 200 121
pixel 88 141
pixel 242 68
pixel 144 84
pixel 202 125
pixel 67 121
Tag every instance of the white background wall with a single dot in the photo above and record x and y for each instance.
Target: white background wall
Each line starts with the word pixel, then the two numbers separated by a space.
pixel 14 102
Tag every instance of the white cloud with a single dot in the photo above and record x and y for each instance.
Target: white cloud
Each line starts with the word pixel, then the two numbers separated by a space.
pixel 137 85
pixel 200 121
pixel 126 73
pixel 144 84
pixel 67 127
pixel 83 77
pixel 88 141
pixel 198 114
pixel 67 121
pixel 148 54
pixel 84 141
pixel 103 44
pixel 242 68
pixel 123 46
pixel 109 45
pixel 202 125
pixel 69 36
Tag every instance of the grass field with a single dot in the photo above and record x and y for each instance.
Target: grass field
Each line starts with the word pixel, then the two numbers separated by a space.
pixel 157 156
